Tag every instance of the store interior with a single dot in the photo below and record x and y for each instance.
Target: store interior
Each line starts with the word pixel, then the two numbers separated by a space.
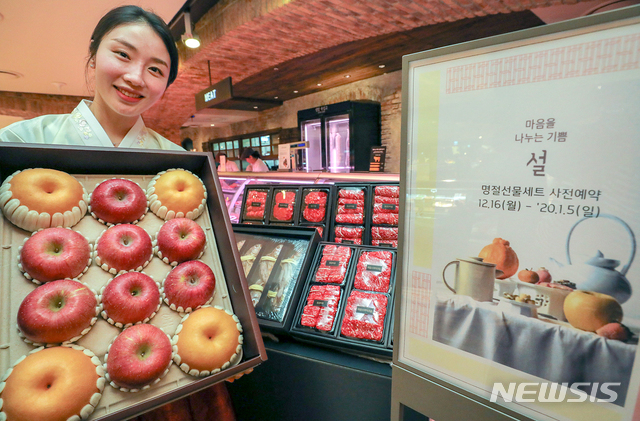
pixel 285 60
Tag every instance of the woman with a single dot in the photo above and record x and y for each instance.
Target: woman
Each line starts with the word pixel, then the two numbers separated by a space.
pixel 132 60
pixel 256 164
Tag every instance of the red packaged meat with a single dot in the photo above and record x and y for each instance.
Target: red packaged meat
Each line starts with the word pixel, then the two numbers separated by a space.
pixel 374 271
pixel 350 218
pixel 364 315
pixel 322 306
pixel 351 193
pixel 387 191
pixel 385 218
pixel 348 232
pixel 384 233
pixel 255 204
pixel 320 230
pixel 384 199
pixel 314 206
pixel 333 264
pixel 385 243
pixel 283 205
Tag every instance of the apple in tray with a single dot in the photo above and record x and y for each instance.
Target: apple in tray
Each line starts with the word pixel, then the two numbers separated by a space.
pixel 57 312
pixel 123 248
pixel 130 298
pixel 118 201
pixel 180 240
pixel 189 286
pixel 54 253
pixel 138 357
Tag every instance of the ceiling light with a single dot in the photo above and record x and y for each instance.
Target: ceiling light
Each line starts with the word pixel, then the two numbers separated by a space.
pixel 382 66
pixel 275 68
pixel 212 124
pixel 190 38
pixel 295 92
pixel 347 76
pixel 275 97
pixel 255 107
pixel 319 84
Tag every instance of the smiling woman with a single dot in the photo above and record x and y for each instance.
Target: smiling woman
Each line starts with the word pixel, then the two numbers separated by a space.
pixel 132 61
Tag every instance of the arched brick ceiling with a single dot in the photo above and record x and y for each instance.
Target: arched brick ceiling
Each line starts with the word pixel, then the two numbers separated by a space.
pixel 241 39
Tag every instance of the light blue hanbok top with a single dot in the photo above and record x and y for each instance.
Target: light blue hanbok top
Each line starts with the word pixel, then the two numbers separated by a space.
pixel 81 128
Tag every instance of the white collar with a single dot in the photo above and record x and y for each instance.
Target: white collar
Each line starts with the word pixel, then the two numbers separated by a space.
pixel 100 137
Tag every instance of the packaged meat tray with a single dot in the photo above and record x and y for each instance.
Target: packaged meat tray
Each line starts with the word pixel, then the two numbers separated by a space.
pixel 334 263
pixel 283 204
pixel 350 205
pixel 321 307
pixel 366 323
pixel 385 209
pixel 364 316
pixel 314 205
pixel 255 204
pixel 373 272
pixel 275 262
pixel 89 167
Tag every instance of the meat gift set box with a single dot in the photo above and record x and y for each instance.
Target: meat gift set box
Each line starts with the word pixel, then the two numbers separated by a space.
pixel 347 300
pixel 90 166
pixel 275 262
pixel 288 206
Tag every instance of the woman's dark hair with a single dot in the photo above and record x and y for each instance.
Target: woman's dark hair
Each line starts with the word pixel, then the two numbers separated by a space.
pixel 134 14
pixel 256 154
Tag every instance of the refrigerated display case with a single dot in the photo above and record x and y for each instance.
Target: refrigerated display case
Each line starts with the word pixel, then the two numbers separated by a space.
pixel 233 183
pixel 332 133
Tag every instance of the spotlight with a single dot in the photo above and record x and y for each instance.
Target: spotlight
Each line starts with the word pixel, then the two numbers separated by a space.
pixel 190 38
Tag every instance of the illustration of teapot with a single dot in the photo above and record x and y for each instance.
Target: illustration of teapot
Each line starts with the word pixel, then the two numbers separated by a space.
pixel 599 274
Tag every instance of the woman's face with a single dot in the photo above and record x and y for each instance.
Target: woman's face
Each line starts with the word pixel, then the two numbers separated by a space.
pixel 131 70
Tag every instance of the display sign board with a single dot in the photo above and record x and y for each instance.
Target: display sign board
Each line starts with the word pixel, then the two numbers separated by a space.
pixel 284 157
pixel 214 94
pixel 523 150
pixel 376 163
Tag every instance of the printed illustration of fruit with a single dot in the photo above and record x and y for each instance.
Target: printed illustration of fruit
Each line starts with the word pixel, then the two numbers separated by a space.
pixel 590 311
pixel 543 275
pixel 528 276
pixel 501 253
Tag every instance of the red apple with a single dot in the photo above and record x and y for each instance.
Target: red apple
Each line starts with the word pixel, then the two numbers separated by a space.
pixel 54 253
pixel 543 275
pixel 188 286
pixel 117 201
pixel 123 248
pixel 58 311
pixel 616 331
pixel 179 240
pixel 130 298
pixel 590 311
pixel 138 357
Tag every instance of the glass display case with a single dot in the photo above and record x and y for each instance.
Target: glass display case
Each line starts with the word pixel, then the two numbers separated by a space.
pixel 233 183
pixel 331 133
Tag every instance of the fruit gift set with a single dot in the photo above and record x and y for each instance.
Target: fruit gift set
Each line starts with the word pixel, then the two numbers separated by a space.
pixel 137 263
pixel 348 299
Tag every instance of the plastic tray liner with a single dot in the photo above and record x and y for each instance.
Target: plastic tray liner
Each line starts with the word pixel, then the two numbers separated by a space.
pixel 333 264
pixel 249 250
pixel 284 202
pixel 348 235
pixel 255 204
pixel 281 287
pixel 373 272
pixel 350 206
pixel 266 261
pixel 15 287
pixel 364 315
pixel 314 205
pixel 321 307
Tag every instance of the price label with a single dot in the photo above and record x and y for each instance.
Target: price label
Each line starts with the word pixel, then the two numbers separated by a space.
pixel 332 263
pixel 313 206
pixel 388 206
pixel 351 206
pixel 374 268
pixel 256 204
pixel 283 205
pixel 320 303
pixel 365 310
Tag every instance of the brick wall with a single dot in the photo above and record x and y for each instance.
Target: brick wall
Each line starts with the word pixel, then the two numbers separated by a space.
pixel 27 105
